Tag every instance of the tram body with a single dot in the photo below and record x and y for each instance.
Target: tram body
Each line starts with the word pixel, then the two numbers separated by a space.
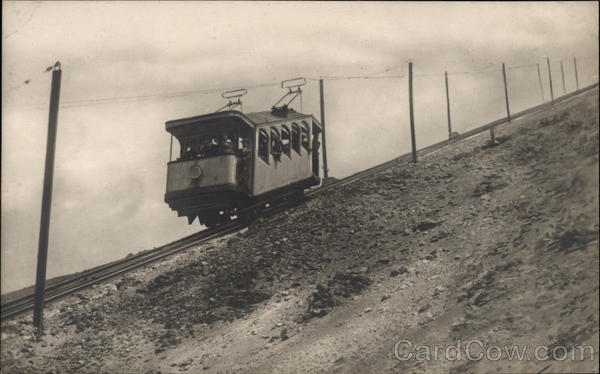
pixel 232 164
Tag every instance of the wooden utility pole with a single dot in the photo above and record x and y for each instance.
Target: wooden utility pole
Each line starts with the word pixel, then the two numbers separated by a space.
pixel 540 80
pixel 506 92
pixel 448 105
pixel 412 116
pixel 550 79
pixel 576 77
pixel 322 99
pixel 562 74
pixel 40 284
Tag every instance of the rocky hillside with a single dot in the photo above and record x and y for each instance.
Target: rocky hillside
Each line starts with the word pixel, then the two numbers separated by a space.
pixel 493 243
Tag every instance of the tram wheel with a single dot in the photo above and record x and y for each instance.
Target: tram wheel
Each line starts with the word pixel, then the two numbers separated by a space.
pixel 215 220
pixel 249 216
pixel 298 196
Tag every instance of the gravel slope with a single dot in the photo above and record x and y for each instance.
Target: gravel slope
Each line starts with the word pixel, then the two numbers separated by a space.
pixel 494 242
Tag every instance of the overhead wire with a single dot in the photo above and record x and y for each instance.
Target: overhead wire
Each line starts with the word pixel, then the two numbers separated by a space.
pixel 11 89
pixel 26 81
pixel 375 75
pixel 23 23
pixel 352 77
pixel 521 66
pixel 169 95
pixel 125 99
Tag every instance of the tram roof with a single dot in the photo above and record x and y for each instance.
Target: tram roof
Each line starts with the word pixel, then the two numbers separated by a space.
pixel 232 117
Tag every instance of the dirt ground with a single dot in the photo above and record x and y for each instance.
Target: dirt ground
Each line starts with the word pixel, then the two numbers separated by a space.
pixel 481 246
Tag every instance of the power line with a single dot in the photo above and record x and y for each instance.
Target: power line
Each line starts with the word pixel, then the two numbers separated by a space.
pixel 23 23
pixel 11 89
pixel 423 75
pixel 124 99
pixel 333 78
pixel 160 95
pixel 26 81
pixel 365 76
pixel 487 70
pixel 169 95
pixel 522 66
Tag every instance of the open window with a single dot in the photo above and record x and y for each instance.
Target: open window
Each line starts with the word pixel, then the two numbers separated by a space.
pixel 243 141
pixel 187 150
pixel 286 145
pixel 296 137
pixel 305 136
pixel 275 144
pixel 208 145
pixel 263 146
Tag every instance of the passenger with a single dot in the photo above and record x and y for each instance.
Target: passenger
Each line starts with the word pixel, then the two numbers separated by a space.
pixel 230 145
pixel 189 154
pixel 316 144
pixel 276 151
pixel 202 148
pixel 285 147
pixel 244 148
pixel 264 144
pixel 243 165
pixel 225 146
pixel 305 140
pixel 212 149
pixel 315 154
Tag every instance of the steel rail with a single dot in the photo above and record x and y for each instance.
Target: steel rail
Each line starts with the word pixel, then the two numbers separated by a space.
pixel 108 271
pixel 92 272
pixel 105 272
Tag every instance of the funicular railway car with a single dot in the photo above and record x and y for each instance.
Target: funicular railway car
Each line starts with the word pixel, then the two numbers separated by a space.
pixel 233 164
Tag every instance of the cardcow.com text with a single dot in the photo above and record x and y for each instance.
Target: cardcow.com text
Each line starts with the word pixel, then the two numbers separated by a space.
pixel 475 350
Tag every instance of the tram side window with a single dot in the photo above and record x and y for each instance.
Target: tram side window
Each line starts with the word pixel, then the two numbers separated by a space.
pixel 305 137
pixel 275 144
pixel 285 141
pixel 296 137
pixel 263 146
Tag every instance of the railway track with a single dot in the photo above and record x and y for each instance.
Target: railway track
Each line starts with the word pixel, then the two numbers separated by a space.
pixel 102 273
pixel 108 271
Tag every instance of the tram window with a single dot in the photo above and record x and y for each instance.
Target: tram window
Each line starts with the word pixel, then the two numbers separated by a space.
pixel 243 140
pixel 285 141
pixel 203 147
pixel 275 144
pixel 187 152
pixel 305 137
pixel 191 150
pixel 263 146
pixel 296 137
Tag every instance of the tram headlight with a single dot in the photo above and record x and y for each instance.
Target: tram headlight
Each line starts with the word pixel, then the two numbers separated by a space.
pixel 195 172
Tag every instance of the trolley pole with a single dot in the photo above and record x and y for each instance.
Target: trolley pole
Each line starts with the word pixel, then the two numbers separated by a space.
pixel 448 105
pixel 506 92
pixel 40 284
pixel 412 116
pixel 322 100
pixel 562 74
pixel 540 80
pixel 576 77
pixel 550 79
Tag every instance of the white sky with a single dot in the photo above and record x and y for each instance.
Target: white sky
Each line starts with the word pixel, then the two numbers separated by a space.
pixel 110 161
